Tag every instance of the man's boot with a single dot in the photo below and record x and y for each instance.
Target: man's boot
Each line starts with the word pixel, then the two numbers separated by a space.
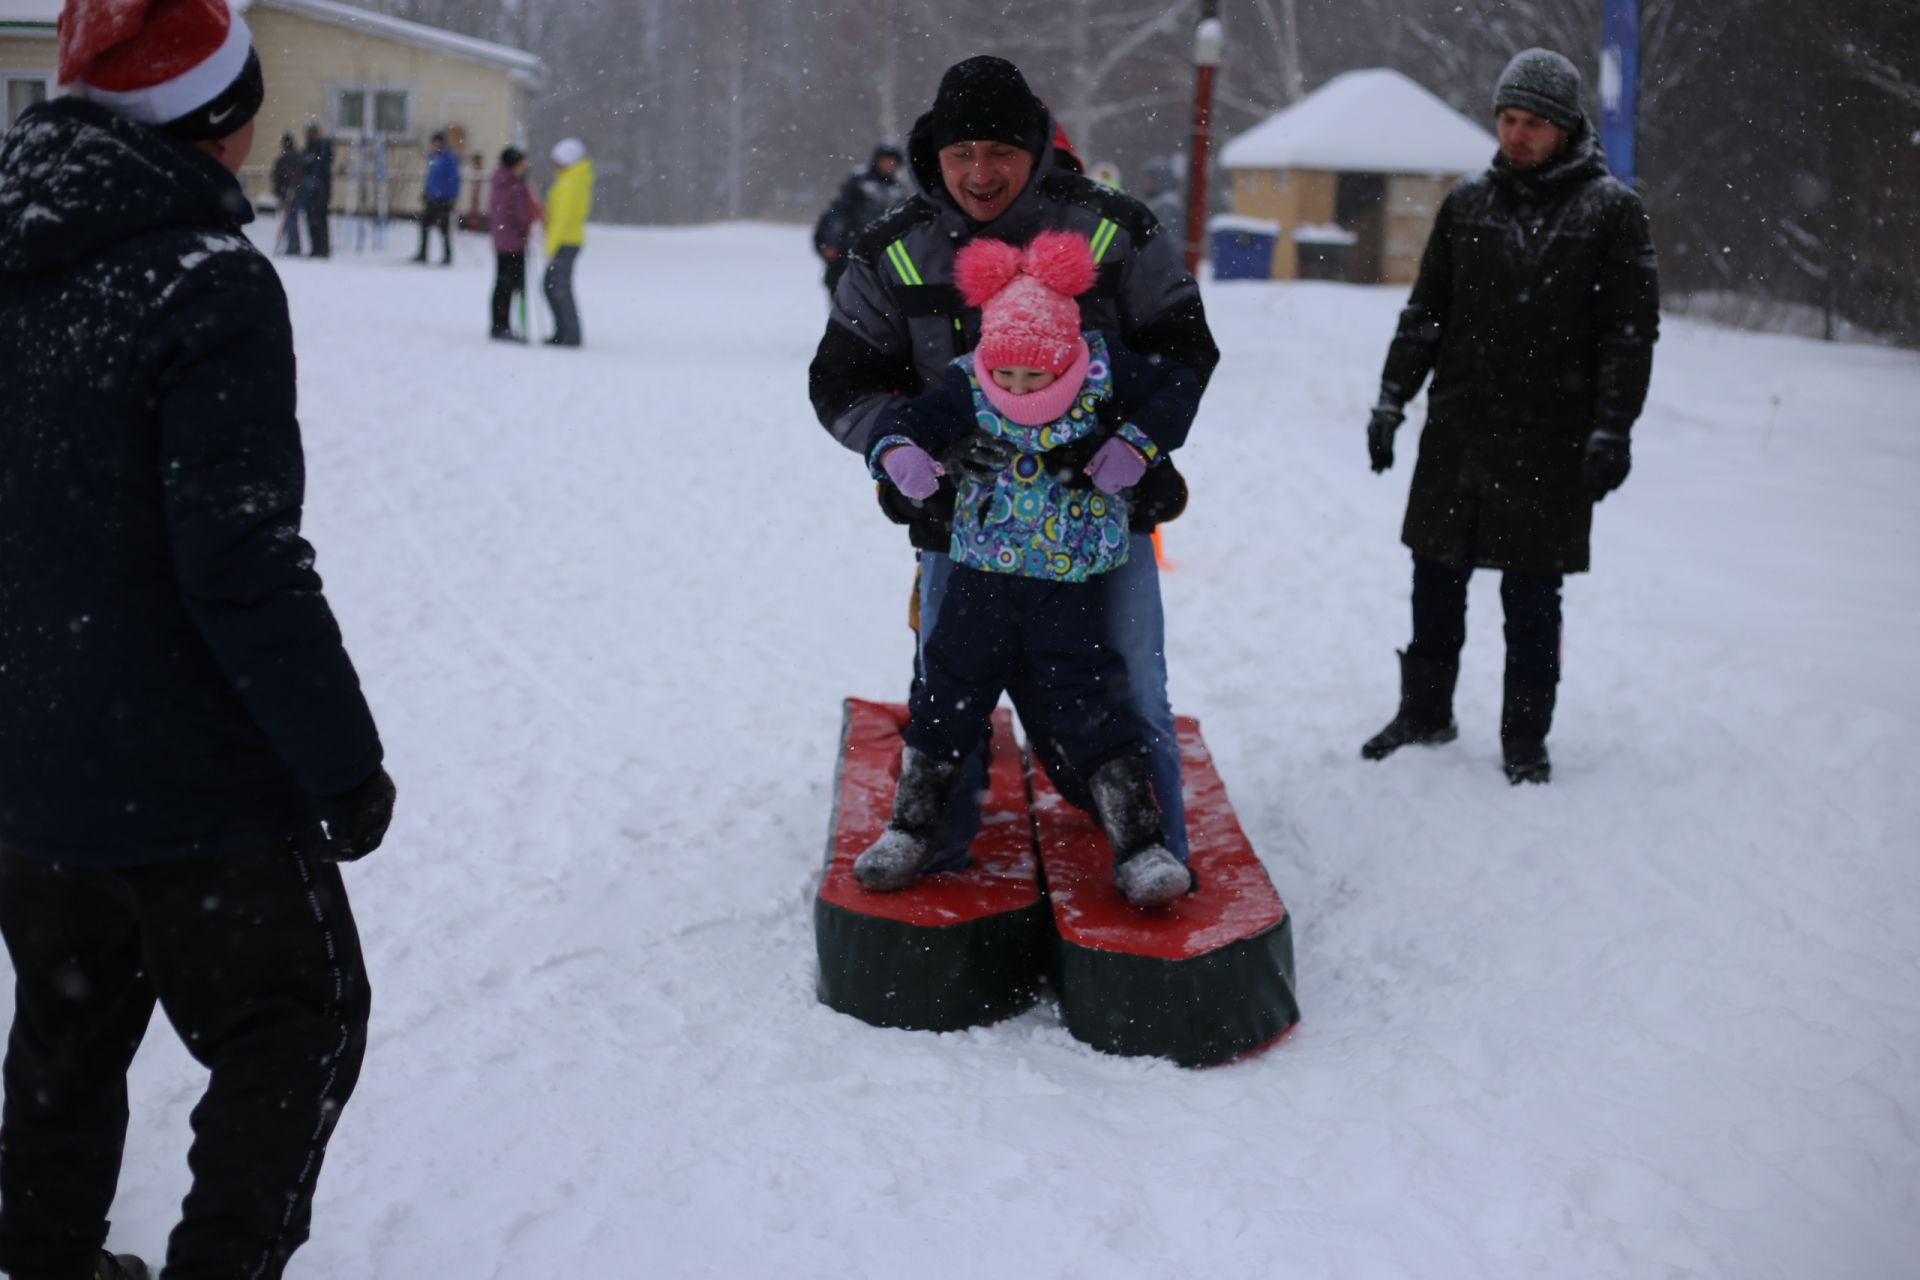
pixel 1426 709
pixel 1526 715
pixel 912 837
pixel 1144 871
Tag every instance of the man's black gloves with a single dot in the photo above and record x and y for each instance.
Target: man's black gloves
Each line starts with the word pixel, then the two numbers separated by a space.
pixel 1606 464
pixel 979 457
pixel 1380 428
pixel 356 820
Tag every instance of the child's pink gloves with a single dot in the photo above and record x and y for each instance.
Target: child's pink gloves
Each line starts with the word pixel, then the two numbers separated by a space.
pixel 1116 465
pixel 912 470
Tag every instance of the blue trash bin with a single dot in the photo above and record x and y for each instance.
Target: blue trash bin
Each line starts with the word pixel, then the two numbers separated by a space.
pixel 1242 248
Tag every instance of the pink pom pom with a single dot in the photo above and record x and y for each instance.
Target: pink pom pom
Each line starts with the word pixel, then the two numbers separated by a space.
pixel 983 268
pixel 1062 261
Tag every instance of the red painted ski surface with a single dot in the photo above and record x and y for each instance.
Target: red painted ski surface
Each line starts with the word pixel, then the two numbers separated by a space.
pixel 1236 899
pixel 1002 876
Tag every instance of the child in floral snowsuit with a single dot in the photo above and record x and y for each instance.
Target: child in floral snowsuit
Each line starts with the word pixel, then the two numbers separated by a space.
pixel 1063 416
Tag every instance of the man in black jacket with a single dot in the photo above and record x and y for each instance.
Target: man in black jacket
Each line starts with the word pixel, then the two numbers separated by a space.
pixel 984 158
pixel 1536 311
pixel 865 195
pixel 316 191
pixel 186 750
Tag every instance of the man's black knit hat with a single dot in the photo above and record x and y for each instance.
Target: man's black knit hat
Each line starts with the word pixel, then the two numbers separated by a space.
pixel 238 103
pixel 1543 82
pixel 986 99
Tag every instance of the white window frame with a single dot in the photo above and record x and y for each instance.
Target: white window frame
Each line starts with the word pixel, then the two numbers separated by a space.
pixel 367 89
pixel 8 76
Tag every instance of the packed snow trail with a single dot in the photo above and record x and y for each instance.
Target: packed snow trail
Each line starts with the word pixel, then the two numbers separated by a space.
pixel 1657 1019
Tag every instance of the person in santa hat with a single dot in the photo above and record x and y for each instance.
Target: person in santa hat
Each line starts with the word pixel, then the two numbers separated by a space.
pixel 1033 543
pixel 187 754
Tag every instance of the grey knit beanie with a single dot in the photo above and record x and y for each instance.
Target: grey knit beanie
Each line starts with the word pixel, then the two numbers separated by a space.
pixel 1543 82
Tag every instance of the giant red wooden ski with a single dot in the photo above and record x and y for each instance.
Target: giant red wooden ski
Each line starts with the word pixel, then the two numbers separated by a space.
pixel 1200 981
pixel 955 949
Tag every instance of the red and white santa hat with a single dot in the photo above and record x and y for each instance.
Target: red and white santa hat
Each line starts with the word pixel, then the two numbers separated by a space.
pixel 187 65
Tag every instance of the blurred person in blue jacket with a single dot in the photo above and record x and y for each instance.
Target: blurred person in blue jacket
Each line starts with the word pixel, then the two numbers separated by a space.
pixel 438 196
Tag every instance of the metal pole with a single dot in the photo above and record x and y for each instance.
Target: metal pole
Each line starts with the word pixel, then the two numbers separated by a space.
pixel 1620 85
pixel 1208 40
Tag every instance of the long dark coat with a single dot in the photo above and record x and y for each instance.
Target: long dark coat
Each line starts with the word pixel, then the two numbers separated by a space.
pixel 1536 310
pixel 172 683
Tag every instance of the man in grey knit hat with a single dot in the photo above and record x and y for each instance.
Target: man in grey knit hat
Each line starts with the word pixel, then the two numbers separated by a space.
pixel 1536 311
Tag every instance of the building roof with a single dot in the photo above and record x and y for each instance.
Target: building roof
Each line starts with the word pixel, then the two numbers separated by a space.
pixel 524 65
pixel 29 13
pixel 1371 121
pixel 34 14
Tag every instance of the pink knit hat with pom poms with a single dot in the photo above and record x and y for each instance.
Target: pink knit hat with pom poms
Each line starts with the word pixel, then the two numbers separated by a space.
pixel 1028 317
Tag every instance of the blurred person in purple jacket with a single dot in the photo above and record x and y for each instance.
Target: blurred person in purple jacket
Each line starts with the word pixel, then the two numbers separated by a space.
pixel 512 209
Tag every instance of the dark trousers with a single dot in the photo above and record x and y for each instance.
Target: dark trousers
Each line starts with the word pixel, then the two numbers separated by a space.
pixel 1532 605
pixel 437 214
pixel 256 962
pixel 559 286
pixel 319 238
pixel 289 239
pixel 509 278
pixel 1050 644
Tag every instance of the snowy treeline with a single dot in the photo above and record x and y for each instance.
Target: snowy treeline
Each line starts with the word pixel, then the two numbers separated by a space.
pixel 1779 149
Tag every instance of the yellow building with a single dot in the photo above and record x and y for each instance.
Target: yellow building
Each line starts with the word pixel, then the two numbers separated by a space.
pixel 27 56
pixel 1354 173
pixel 361 76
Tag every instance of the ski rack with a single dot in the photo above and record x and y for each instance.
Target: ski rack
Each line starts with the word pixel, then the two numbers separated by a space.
pixel 1202 981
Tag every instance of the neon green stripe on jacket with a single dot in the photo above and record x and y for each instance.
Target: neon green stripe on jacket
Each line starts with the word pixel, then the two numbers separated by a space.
pixel 1103 238
pixel 902 264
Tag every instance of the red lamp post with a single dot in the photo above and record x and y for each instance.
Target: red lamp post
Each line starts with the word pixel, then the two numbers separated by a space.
pixel 1209 39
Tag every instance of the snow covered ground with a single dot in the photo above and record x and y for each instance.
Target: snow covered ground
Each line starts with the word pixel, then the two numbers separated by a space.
pixel 1660 1019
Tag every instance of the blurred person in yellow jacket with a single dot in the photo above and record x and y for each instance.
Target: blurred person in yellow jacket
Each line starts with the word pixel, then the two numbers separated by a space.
pixel 567 205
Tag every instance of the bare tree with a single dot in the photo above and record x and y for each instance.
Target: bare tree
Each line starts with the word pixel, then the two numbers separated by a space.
pixel 1776 136
pixel 1875 43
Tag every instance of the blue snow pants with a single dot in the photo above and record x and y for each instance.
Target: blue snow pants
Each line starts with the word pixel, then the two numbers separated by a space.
pixel 1137 631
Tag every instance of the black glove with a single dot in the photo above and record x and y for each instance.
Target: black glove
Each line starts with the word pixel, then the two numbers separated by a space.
pixel 1380 428
pixel 356 820
pixel 978 457
pixel 1606 464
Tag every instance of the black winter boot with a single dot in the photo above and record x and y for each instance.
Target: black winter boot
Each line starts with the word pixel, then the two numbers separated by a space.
pixel 1425 717
pixel 912 837
pixel 1144 871
pixel 1526 715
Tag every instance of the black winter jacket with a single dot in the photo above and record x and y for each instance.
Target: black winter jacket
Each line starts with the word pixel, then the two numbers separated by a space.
pixel 172 683
pixel 864 196
pixel 1536 310
pixel 897 319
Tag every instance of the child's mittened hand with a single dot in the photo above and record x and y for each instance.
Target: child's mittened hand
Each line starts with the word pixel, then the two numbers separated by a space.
pixel 912 470
pixel 1117 465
